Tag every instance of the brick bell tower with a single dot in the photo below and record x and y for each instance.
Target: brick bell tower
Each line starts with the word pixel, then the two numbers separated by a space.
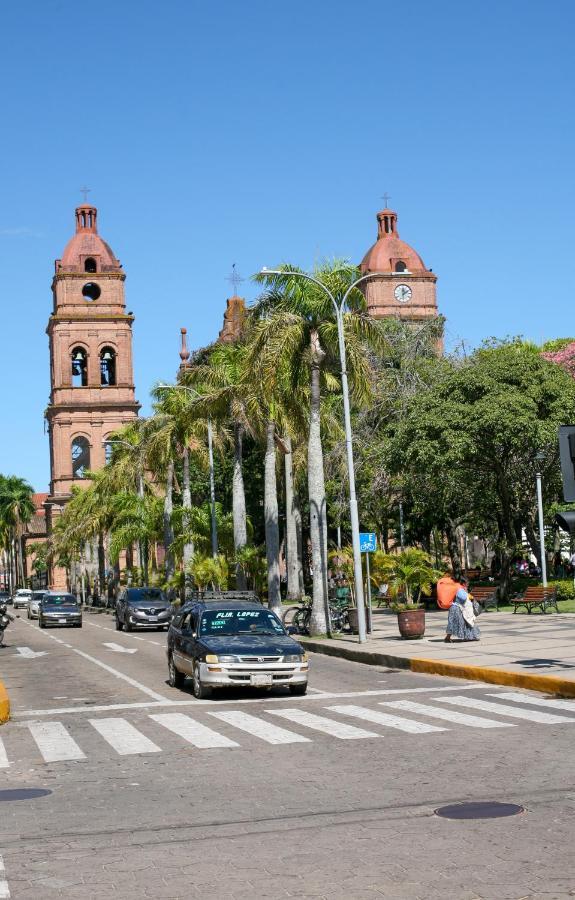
pixel 404 287
pixel 91 374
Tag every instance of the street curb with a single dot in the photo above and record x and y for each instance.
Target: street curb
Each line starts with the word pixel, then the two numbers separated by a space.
pixel 547 684
pixel 4 704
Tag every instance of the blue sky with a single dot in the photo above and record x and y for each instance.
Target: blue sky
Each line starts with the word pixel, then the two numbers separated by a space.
pixel 257 132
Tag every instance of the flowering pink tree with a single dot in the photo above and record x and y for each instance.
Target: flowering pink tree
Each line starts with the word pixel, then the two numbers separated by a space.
pixel 564 358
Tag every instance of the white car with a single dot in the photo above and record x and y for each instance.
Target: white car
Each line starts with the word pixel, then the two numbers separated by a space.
pixel 21 598
pixel 34 604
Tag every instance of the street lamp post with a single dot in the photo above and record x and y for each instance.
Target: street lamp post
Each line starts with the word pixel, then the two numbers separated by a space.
pixel 214 524
pixel 353 513
pixel 540 457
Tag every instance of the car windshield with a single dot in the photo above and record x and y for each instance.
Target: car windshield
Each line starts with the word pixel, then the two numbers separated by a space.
pixel 59 600
pixel 142 595
pixel 240 621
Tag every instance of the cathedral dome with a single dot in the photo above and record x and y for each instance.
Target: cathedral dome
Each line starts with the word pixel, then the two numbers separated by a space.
pixel 390 253
pixel 86 251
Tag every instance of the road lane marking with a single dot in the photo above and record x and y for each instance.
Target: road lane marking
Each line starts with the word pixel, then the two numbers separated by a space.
pixel 110 707
pixel 123 737
pixel 193 732
pixel 536 701
pixel 320 723
pixel 4 889
pixel 533 715
pixel 379 718
pixel 116 648
pixel 28 653
pixel 449 715
pixel 267 732
pixel 4 763
pixel 135 637
pixel 54 742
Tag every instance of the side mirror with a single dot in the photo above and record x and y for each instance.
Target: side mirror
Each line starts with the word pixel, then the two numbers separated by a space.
pixel 292 629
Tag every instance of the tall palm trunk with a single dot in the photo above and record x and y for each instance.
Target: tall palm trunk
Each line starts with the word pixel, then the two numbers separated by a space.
pixel 271 521
pixel 169 567
pixel 293 591
pixel 316 491
pixel 239 504
pixel 102 566
pixel 299 533
pixel 188 551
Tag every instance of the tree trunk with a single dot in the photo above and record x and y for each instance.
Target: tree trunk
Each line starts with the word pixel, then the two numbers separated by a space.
pixel 169 568
pixel 271 521
pixel 533 541
pixel 101 564
pixel 299 534
pixel 293 586
pixel 188 550
pixel 239 504
pixel 453 547
pixel 316 491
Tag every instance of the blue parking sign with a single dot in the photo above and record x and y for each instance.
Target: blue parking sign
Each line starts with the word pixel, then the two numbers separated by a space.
pixel 367 541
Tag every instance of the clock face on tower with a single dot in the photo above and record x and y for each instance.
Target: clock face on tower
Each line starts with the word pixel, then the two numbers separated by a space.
pixel 402 293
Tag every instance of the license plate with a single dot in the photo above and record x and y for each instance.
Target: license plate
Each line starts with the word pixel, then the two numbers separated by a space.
pixel 62 620
pixel 152 618
pixel 261 680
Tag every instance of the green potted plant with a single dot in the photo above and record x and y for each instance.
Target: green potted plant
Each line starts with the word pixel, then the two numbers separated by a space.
pixel 408 574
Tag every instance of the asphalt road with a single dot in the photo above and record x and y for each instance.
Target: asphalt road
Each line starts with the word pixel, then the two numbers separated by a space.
pixel 156 795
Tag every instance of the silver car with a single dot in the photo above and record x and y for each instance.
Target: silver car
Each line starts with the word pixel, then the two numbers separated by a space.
pixel 34 604
pixel 21 598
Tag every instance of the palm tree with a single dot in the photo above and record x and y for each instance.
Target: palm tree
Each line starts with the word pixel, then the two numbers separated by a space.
pixel 16 510
pixel 221 383
pixel 296 327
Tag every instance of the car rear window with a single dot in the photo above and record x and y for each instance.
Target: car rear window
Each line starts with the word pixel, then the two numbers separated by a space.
pixel 240 621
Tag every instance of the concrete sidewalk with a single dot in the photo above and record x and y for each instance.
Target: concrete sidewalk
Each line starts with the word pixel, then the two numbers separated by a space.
pixel 529 651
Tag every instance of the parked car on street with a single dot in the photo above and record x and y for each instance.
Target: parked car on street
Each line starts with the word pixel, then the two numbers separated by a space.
pixel 233 644
pixel 5 598
pixel 21 598
pixel 59 608
pixel 143 607
pixel 34 604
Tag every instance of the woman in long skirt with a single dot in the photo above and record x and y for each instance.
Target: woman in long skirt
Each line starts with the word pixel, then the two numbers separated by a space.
pixel 462 616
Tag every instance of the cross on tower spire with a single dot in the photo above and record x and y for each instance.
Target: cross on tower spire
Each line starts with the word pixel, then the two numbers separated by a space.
pixel 386 197
pixel 85 191
pixel 235 279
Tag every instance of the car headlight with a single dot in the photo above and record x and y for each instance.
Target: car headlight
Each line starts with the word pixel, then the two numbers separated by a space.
pixel 296 658
pixel 212 658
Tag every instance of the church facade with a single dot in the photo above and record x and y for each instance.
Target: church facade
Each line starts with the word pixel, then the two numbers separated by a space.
pixel 91 373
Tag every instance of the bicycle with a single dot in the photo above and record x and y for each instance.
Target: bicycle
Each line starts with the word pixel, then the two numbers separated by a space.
pixel 298 616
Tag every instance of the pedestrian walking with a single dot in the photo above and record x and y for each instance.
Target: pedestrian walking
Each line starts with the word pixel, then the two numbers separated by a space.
pixel 462 616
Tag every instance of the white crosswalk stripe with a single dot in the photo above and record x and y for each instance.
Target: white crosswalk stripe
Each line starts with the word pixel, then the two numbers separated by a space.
pixel 321 723
pixel 381 718
pixel 449 715
pixel 259 728
pixel 123 737
pixel 191 731
pixel 4 763
pixel 4 889
pixel 54 742
pixel 536 701
pixel 532 715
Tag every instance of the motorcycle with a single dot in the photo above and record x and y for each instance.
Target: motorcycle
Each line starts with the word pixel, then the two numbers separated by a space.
pixel 5 619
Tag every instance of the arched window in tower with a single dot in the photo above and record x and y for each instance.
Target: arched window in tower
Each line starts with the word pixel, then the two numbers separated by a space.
pixel 400 266
pixel 79 367
pixel 90 264
pixel 107 367
pixel 80 456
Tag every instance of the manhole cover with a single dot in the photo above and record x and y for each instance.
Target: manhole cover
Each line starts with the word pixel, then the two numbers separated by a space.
pixel 24 794
pixel 488 810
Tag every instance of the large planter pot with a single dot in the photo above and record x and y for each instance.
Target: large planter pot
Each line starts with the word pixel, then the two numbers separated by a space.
pixel 411 624
pixel 353 623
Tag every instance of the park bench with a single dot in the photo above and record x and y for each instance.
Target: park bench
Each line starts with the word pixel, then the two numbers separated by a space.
pixel 486 596
pixel 536 596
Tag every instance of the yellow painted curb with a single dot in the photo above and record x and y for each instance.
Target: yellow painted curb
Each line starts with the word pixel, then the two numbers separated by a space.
pixel 549 684
pixel 4 704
